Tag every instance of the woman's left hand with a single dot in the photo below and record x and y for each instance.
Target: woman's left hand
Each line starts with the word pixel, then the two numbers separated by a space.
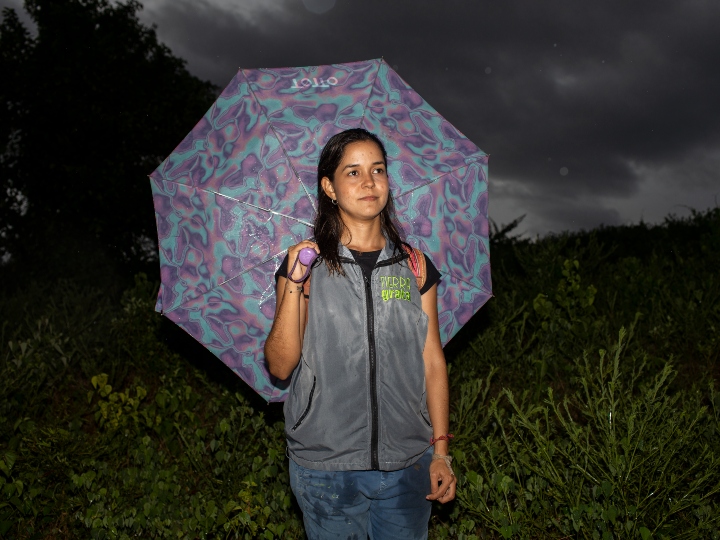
pixel 442 482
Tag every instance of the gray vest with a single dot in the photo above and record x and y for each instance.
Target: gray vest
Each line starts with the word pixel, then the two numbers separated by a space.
pixel 357 397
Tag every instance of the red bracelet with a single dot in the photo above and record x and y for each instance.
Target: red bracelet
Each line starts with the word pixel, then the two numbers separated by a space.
pixel 447 437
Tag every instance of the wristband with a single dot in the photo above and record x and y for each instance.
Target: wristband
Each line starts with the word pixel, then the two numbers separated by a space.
pixel 446 459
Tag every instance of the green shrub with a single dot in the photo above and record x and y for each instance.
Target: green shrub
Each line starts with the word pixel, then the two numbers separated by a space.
pixel 192 468
pixel 106 432
pixel 168 455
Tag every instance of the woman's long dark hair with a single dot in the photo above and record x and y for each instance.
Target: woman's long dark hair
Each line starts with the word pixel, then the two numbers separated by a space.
pixel 329 226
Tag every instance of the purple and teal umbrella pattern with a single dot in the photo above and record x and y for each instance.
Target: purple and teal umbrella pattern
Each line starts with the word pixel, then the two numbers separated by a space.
pixel 241 188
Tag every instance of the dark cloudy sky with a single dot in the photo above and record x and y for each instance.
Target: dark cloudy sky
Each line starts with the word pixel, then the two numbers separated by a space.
pixel 592 112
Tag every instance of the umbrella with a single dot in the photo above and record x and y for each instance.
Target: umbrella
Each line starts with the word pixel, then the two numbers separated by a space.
pixel 241 188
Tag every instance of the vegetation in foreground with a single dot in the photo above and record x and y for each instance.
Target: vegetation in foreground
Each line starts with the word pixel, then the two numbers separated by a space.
pixel 584 404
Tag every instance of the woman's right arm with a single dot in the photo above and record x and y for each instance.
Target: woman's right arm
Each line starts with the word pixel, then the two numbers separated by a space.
pixel 284 343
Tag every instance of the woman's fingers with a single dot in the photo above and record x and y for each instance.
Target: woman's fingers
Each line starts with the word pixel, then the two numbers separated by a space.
pixel 443 488
pixel 442 482
pixel 293 252
pixel 450 492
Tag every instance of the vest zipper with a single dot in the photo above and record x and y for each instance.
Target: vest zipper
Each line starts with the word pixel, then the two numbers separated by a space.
pixel 374 464
pixel 374 435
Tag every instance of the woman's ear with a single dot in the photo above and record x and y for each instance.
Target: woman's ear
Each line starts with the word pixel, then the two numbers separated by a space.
pixel 328 187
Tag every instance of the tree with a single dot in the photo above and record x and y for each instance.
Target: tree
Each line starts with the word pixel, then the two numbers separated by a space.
pixel 15 43
pixel 94 104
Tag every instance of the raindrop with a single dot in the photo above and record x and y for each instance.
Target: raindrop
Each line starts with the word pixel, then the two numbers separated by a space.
pixel 554 44
pixel 488 70
pixel 564 171
pixel 395 67
pixel 319 6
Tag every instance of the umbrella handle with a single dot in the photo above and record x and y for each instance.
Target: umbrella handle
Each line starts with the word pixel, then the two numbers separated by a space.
pixel 306 256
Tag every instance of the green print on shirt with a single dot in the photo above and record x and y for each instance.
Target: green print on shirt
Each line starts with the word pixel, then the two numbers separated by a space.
pixel 395 287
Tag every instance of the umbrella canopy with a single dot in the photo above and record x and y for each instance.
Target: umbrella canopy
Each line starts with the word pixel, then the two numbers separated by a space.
pixel 241 188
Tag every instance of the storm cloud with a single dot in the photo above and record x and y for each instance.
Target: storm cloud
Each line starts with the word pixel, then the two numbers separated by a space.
pixel 593 112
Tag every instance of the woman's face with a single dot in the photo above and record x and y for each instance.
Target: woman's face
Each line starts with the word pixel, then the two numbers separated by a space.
pixel 360 183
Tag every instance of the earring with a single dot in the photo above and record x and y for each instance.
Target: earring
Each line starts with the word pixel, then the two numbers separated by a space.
pixel 334 201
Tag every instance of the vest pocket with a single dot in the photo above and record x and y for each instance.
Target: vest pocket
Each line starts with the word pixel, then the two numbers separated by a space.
pixel 424 413
pixel 307 409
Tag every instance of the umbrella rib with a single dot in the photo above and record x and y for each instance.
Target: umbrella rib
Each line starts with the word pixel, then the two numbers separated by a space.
pixel 243 272
pixel 268 210
pixel 261 208
pixel 372 89
pixel 435 179
pixel 287 156
pixel 420 186
pixel 482 289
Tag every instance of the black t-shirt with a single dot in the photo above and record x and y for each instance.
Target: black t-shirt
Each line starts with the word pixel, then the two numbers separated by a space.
pixel 366 261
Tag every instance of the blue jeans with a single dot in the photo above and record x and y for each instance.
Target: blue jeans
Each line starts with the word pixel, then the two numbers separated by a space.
pixel 355 504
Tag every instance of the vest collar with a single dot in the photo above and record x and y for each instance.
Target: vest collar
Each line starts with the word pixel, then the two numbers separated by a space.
pixel 386 252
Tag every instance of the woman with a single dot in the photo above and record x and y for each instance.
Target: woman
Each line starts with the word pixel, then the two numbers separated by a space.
pixel 369 390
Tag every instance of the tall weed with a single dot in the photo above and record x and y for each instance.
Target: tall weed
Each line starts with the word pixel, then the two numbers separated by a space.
pixel 614 459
